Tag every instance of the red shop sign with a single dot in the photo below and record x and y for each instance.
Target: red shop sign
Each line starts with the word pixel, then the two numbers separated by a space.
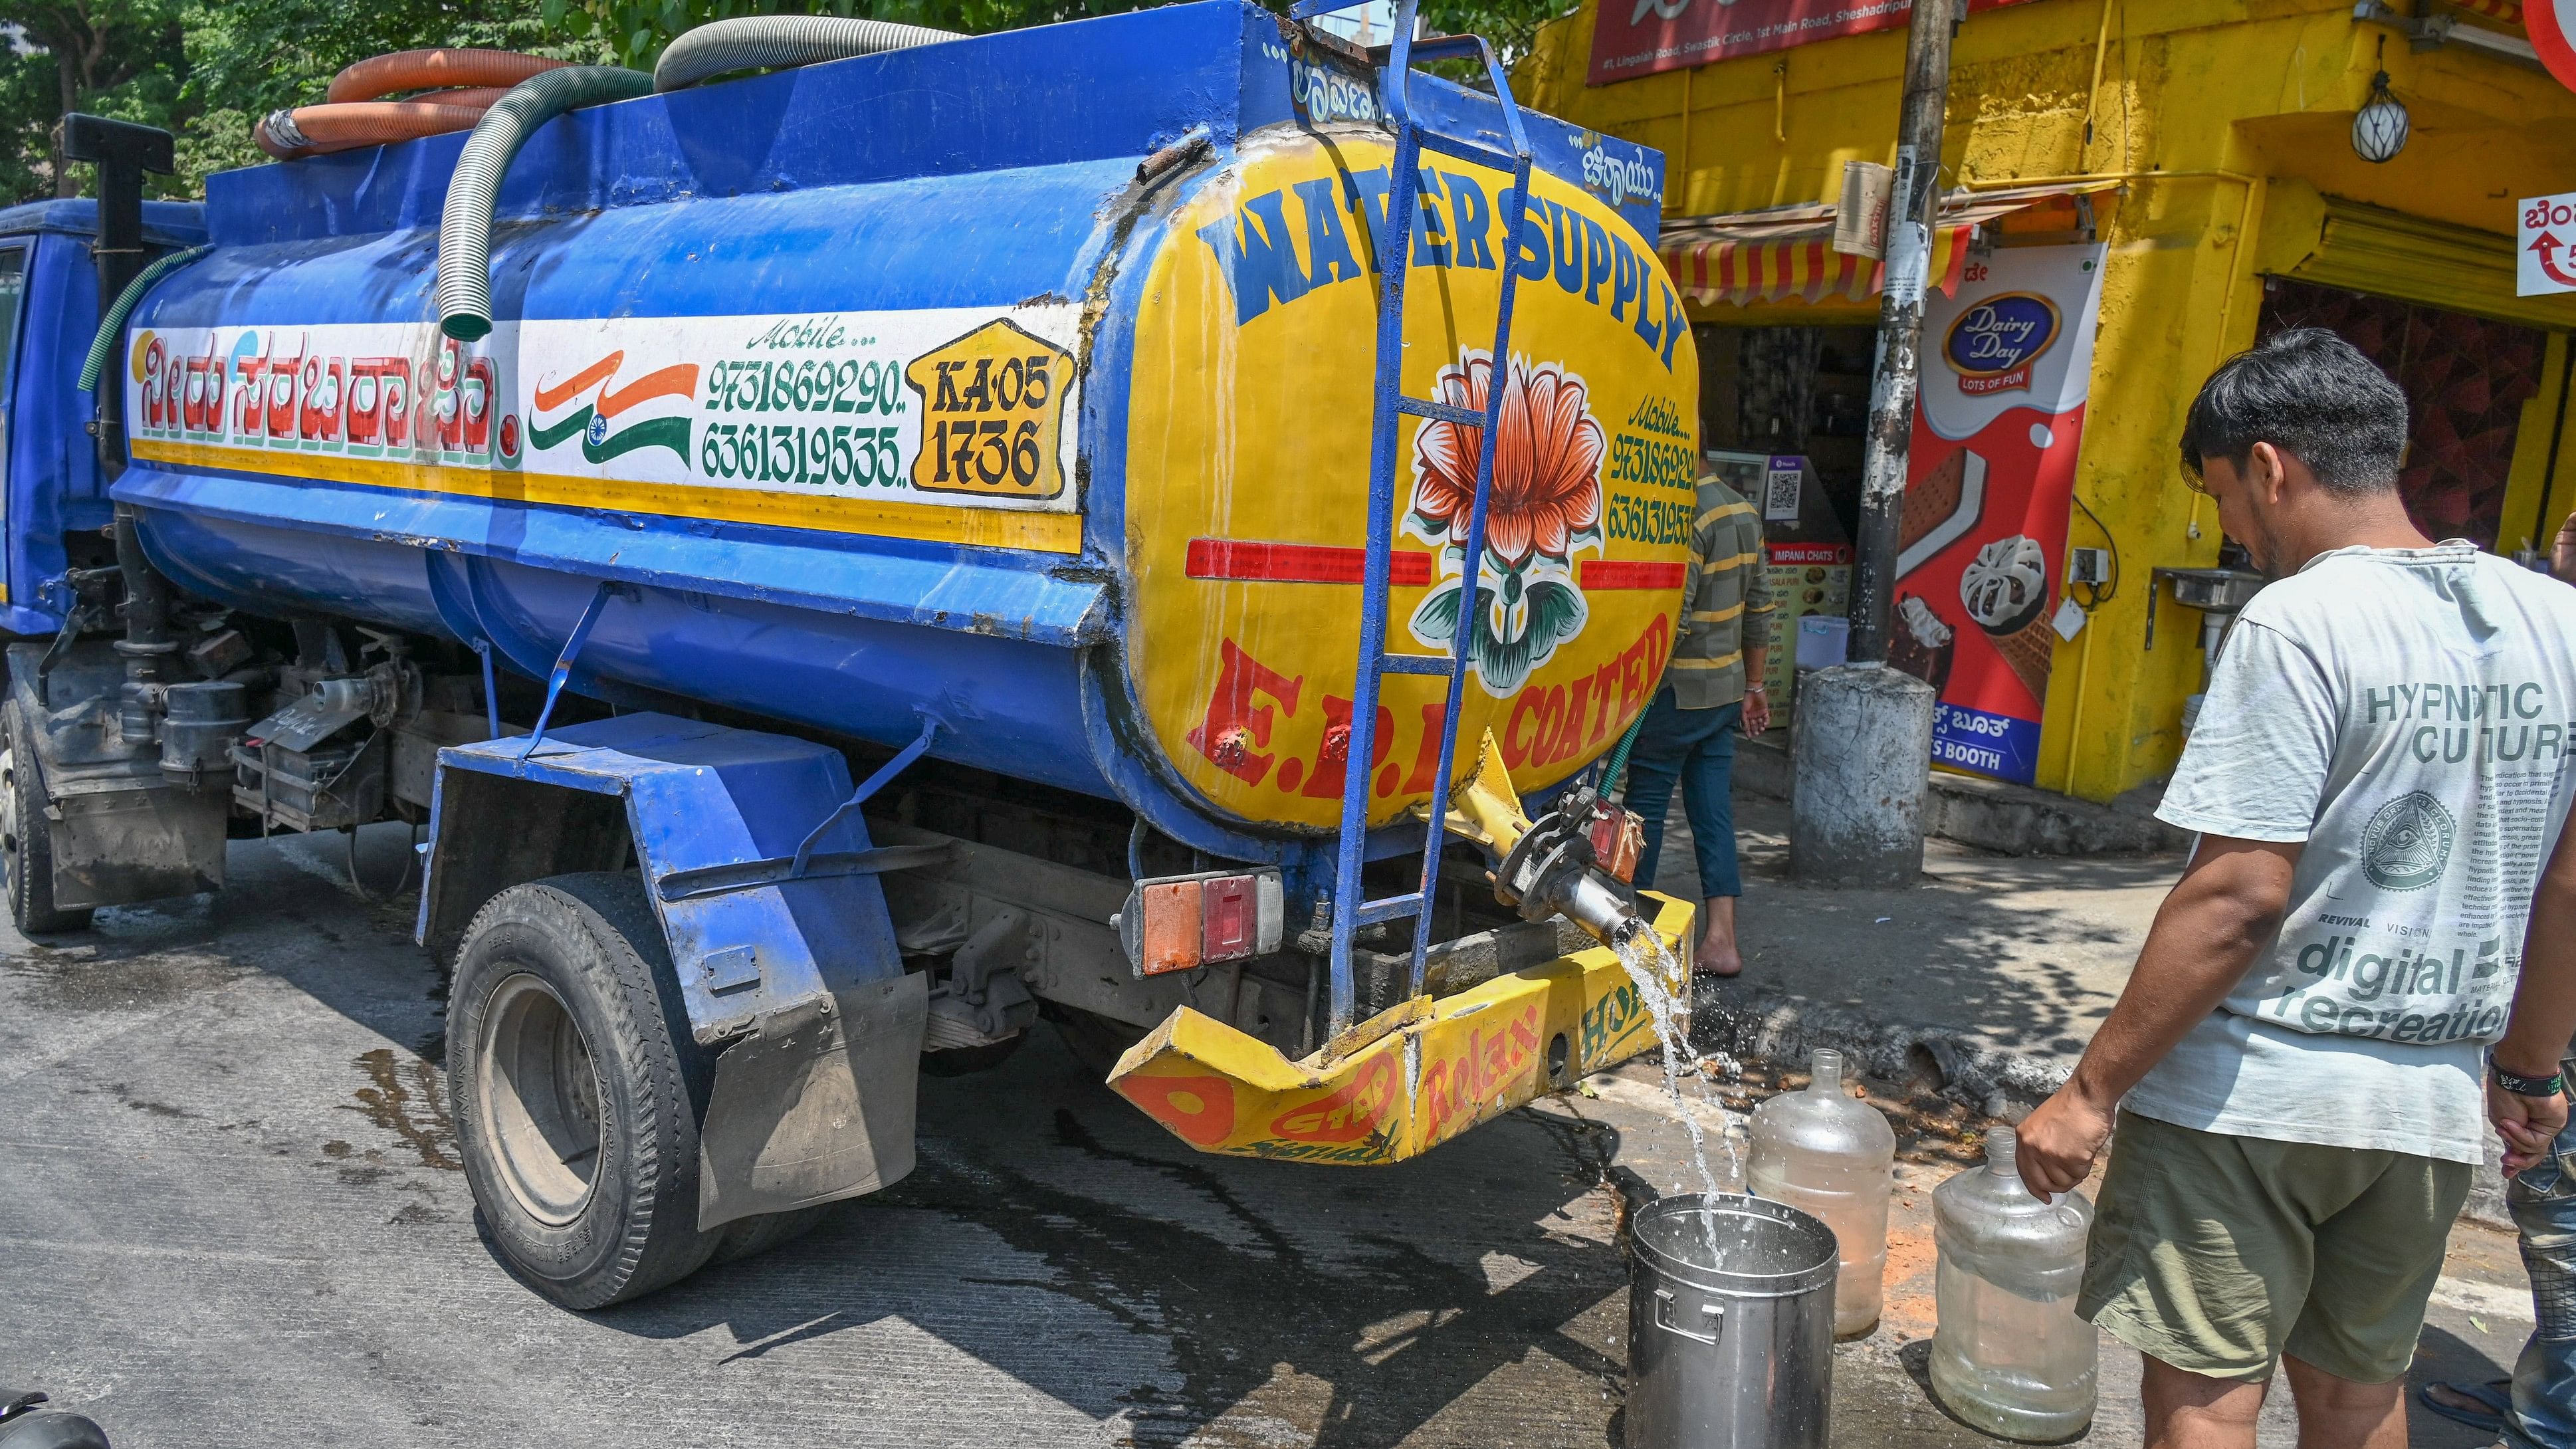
pixel 1641 37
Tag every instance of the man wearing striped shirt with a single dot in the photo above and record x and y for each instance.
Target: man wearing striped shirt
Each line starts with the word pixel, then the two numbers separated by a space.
pixel 1712 691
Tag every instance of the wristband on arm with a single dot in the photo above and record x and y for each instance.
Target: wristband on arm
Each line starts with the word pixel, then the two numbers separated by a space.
pixel 2522 1086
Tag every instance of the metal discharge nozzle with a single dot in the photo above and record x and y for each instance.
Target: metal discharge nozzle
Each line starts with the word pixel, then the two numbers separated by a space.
pixel 1568 861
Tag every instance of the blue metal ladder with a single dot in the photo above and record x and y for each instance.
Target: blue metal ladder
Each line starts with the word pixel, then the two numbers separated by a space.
pixel 1352 910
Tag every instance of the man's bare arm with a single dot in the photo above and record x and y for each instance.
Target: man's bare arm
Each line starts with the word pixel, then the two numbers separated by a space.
pixel 2223 912
pixel 2544 1011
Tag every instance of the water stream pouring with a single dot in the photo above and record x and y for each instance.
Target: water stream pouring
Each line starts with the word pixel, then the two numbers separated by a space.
pixel 1565 862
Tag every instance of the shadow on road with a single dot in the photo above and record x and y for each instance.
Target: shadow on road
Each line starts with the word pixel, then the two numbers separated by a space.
pixel 2013 956
pixel 1360 1303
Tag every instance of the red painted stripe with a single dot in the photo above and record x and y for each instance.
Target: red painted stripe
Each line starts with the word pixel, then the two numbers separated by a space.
pixel 1301 563
pixel 1611 573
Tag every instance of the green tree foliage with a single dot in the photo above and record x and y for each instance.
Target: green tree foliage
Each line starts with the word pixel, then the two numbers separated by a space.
pixel 29 101
pixel 206 70
pixel 249 57
pixel 121 58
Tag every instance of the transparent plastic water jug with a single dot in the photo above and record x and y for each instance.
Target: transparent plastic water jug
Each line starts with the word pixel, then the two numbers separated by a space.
pixel 2009 1355
pixel 1825 1154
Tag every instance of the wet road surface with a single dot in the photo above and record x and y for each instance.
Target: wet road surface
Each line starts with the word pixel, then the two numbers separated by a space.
pixel 231 1215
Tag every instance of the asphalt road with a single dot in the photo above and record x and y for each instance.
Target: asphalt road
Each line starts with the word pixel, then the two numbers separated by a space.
pixel 231 1215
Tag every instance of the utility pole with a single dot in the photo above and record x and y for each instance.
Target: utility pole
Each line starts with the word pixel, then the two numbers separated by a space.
pixel 1863 745
pixel 1899 375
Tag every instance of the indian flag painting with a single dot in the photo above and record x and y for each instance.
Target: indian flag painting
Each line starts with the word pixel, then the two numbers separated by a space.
pixel 613 415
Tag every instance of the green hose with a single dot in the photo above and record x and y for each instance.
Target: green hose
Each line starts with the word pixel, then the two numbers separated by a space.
pixel 1618 765
pixel 112 326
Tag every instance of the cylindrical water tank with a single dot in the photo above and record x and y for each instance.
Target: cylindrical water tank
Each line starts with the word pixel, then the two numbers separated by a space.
pixel 887 402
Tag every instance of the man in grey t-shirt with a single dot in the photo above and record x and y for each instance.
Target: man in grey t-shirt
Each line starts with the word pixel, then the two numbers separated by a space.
pixel 2385 757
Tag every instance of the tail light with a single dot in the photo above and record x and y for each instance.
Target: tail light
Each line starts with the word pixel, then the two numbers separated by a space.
pixel 1175 923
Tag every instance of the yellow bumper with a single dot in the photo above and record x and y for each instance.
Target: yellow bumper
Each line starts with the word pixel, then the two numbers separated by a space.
pixel 1410 1078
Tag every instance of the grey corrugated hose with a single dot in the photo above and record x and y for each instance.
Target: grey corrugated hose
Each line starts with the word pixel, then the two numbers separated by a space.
pixel 770 42
pixel 465 227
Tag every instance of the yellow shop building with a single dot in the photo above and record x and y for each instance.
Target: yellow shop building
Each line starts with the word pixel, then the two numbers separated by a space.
pixel 2196 172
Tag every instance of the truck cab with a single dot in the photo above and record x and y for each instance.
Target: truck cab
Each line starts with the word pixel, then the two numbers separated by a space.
pixel 51 485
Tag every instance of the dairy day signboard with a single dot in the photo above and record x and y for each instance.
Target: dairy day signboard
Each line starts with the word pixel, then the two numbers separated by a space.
pixel 2008 363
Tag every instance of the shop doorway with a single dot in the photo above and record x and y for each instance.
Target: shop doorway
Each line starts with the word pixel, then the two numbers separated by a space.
pixel 2466 380
pixel 1801 390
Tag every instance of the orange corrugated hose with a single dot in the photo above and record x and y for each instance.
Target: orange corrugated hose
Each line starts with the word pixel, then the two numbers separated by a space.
pixel 460 84
pixel 476 96
pixel 415 70
pixel 321 129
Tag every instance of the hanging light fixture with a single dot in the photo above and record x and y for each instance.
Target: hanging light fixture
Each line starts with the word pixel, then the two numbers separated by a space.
pixel 2380 128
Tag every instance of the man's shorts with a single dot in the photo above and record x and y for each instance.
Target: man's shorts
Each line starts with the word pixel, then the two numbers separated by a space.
pixel 2218 1254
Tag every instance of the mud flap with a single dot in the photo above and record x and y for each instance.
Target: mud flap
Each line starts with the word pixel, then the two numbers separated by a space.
pixel 816 1104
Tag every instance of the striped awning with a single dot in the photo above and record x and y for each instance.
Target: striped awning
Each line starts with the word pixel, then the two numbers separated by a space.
pixel 1771 256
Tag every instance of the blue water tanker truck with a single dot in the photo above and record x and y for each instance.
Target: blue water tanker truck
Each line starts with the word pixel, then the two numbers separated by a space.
pixel 861 540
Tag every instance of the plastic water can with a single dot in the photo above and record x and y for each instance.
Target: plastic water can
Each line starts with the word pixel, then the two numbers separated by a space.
pixel 1825 1154
pixel 2009 1355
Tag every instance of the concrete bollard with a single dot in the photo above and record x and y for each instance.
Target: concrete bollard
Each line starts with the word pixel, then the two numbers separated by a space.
pixel 1861 755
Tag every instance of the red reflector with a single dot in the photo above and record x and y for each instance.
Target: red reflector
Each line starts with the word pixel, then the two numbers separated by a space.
pixel 1230 918
pixel 1171 933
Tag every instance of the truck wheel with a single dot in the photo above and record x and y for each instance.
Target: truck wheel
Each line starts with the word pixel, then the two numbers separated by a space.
pixel 27 835
pixel 750 1237
pixel 576 1090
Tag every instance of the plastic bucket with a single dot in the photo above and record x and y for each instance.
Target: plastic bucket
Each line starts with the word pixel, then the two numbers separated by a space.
pixel 1824 641
pixel 1735 1353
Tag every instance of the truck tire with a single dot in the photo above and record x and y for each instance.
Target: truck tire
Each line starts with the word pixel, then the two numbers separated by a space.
pixel 577 1090
pixel 583 961
pixel 750 1237
pixel 27 835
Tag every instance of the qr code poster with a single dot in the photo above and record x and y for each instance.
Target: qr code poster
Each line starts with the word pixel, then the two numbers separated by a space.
pixel 1780 485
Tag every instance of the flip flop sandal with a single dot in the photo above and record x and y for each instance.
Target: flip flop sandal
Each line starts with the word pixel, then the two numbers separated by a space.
pixel 2497 1396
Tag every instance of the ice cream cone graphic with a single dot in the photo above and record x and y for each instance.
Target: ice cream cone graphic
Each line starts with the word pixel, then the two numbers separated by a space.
pixel 2028 650
pixel 1931 499
pixel 2005 590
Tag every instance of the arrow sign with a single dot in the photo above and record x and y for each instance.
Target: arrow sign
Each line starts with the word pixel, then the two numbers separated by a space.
pixel 2546 248
pixel 2552 24
pixel 2545 260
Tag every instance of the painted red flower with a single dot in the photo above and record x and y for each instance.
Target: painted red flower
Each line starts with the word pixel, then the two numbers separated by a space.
pixel 1547 464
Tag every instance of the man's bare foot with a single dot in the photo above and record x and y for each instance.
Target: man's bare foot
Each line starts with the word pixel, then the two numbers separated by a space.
pixel 2480 1406
pixel 1717 954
